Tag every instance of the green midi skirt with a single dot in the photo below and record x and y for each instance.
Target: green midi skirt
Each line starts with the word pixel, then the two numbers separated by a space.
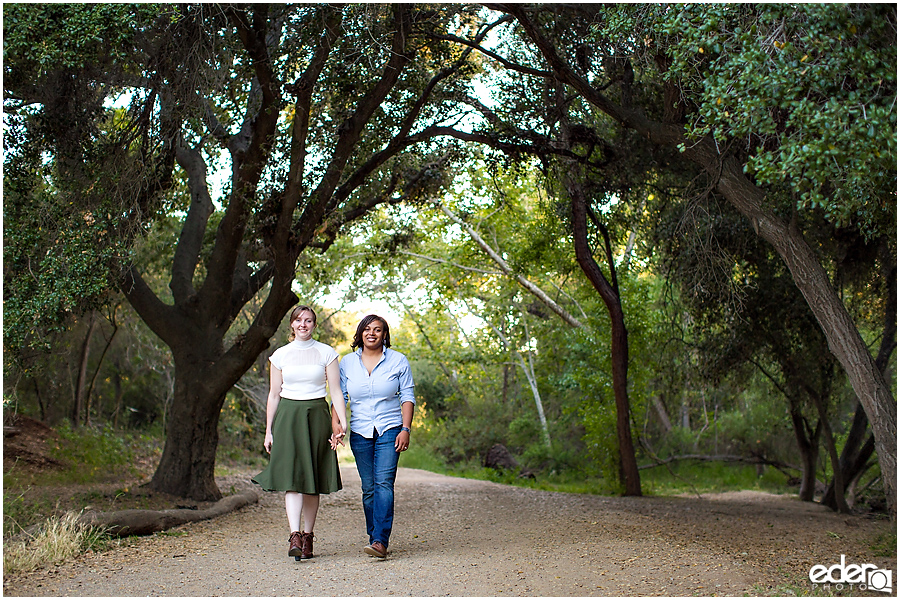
pixel 302 459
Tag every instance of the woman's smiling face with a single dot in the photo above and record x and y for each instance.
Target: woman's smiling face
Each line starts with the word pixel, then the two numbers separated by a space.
pixel 373 335
pixel 303 325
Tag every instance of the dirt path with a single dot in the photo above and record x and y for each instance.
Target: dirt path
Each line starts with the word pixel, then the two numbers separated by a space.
pixel 460 537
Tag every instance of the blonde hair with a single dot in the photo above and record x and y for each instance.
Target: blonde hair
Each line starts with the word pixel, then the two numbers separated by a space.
pixel 294 314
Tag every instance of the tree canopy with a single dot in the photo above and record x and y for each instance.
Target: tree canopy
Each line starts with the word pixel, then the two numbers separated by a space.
pixel 565 174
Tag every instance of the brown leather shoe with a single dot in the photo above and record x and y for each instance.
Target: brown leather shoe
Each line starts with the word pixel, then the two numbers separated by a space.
pixel 376 549
pixel 295 544
pixel 306 540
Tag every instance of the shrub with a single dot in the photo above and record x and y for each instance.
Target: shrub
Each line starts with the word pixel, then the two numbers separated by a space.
pixel 93 452
pixel 523 431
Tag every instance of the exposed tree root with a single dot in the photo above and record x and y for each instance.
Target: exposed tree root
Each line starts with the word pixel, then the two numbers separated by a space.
pixel 143 522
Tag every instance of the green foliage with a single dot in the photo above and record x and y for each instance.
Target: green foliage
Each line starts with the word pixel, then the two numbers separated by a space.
pixel 241 428
pixel 421 457
pixel 97 454
pixel 759 426
pixel 804 95
pixel 523 430
pixel 54 274
pixel 747 423
pixel 130 117
pixel 589 373
pixel 699 478
pixel 63 221
pixel 20 512
pixel 88 455
pixel 92 32
pixel 811 87
pixel 467 438
pixel 601 443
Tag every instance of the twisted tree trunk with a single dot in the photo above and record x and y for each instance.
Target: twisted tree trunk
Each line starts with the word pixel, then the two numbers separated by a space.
pixel 628 467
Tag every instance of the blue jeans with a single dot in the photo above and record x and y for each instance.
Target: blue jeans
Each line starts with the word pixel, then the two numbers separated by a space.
pixel 376 461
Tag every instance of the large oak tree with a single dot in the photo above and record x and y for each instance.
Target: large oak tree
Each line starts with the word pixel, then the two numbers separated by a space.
pixel 317 113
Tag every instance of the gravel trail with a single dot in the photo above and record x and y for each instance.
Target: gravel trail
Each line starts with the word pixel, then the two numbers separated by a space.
pixel 462 537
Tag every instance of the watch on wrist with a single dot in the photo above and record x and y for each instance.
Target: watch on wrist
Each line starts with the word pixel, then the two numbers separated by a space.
pixel 406 429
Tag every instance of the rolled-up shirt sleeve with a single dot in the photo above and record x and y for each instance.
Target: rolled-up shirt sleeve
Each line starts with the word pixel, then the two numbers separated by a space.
pixel 343 381
pixel 407 387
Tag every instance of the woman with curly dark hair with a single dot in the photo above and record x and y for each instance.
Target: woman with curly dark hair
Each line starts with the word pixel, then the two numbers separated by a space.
pixel 378 387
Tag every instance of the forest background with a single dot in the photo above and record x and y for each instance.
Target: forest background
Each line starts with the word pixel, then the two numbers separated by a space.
pixel 636 245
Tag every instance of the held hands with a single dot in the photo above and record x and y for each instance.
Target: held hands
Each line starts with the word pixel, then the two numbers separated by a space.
pixel 335 440
pixel 337 436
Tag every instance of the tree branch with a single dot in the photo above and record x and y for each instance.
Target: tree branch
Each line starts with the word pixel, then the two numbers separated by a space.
pixel 450 375
pixel 190 241
pixel 247 169
pixel 489 53
pixel 753 460
pixel 450 263
pixel 402 139
pixel 504 266
pixel 302 89
pixel 351 129
pixel 154 312
pixel 607 248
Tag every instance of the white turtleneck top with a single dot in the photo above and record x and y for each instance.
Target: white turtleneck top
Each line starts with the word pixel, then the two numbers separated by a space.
pixel 302 365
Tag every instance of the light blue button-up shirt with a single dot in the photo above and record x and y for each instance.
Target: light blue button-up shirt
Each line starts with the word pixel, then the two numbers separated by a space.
pixel 374 400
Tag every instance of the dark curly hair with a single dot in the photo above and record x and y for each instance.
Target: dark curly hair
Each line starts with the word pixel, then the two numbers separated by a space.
pixel 357 337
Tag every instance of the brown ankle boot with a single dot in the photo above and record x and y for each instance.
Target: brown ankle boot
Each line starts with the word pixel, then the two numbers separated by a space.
pixel 295 544
pixel 306 549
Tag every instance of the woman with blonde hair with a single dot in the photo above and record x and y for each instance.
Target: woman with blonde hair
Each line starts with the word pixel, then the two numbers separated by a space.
pixel 300 437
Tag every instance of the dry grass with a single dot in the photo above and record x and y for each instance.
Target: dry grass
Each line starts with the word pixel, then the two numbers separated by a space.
pixel 59 539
